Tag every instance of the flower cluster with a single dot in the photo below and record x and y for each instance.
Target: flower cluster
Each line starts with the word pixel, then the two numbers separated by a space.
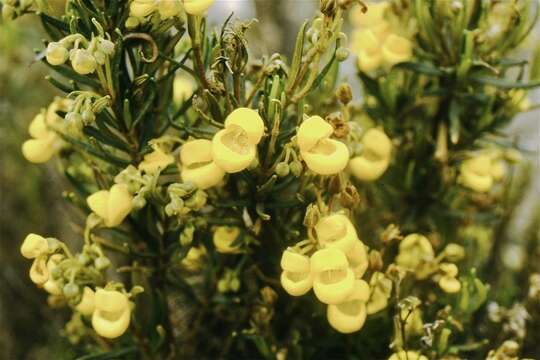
pixel 376 41
pixel 85 56
pixel 335 272
pixel 77 281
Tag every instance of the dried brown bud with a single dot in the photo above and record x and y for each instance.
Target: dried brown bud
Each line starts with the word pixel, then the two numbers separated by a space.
pixel 349 197
pixel 341 128
pixel 344 93
pixel 390 234
pixel 268 295
pixel 313 214
pixel 375 260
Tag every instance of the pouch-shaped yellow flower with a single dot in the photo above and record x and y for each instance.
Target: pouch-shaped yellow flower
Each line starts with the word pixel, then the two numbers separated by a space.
pixel 448 281
pixel 350 315
pixel 111 205
pixel 413 250
pixel 296 277
pixel 333 279
pixel 322 155
pixel 183 88
pixel 197 7
pixel 87 304
pixel 33 246
pixel 82 61
pixel 169 8
pixel 396 49
pixel 112 313
pixel 475 173
pixel 375 157
pixel 45 142
pixel 142 8
pixel 249 121
pixel 198 166
pixel 224 237
pixel 337 231
pixel 193 259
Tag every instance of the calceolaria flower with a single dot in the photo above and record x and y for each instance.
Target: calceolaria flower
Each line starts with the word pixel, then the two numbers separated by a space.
pixel 337 231
pixel 224 238
pixel 333 279
pixel 198 166
pixel 413 250
pixel 87 304
pixel 183 88
pixel 45 142
pixel 479 173
pixel 235 147
pixel 296 277
pixel 33 246
pixel 197 7
pixel 112 313
pixel 447 280
pixel 350 315
pixel 193 260
pixel 323 156
pixel 156 160
pixel 375 157
pixel 112 205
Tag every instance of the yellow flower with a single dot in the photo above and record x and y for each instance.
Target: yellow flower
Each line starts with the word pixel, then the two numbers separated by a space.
pixel 87 304
pixel 224 237
pixel 373 16
pixel 235 147
pixel 183 88
pixel 111 205
pixel 51 286
pixel 448 281
pixel 454 252
pixel 198 166
pixel 45 142
pixel 475 173
pixel 396 49
pixel 142 8
pixel 407 355
pixel 413 320
pixel 296 277
pixel 333 279
pixel 197 7
pixel 337 231
pixel 194 257
pixel 112 313
pixel 169 8
pixel 358 259
pixel 39 274
pixel 413 250
pixel 156 160
pixel 322 155
pixel 33 246
pixel 350 315
pixel 381 288
pixel 375 157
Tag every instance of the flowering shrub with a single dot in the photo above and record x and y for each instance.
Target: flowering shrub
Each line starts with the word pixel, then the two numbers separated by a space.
pixel 219 190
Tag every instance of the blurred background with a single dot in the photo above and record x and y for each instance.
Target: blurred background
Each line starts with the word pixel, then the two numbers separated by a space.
pixel 31 196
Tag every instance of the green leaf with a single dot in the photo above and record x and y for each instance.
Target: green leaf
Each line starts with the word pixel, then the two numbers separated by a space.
pixel 504 83
pixel 104 139
pixel 324 71
pixel 94 152
pixel 297 56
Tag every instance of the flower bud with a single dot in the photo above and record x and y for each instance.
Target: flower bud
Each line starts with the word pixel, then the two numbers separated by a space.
pixel 342 54
pixel 101 263
pixel 106 46
pixel 197 7
pixel 83 62
pixel 296 168
pixel 70 290
pixel 333 280
pixel 344 93
pixel 112 313
pixel 282 169
pixel 33 246
pixel 52 285
pixel 56 53
pixel 350 315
